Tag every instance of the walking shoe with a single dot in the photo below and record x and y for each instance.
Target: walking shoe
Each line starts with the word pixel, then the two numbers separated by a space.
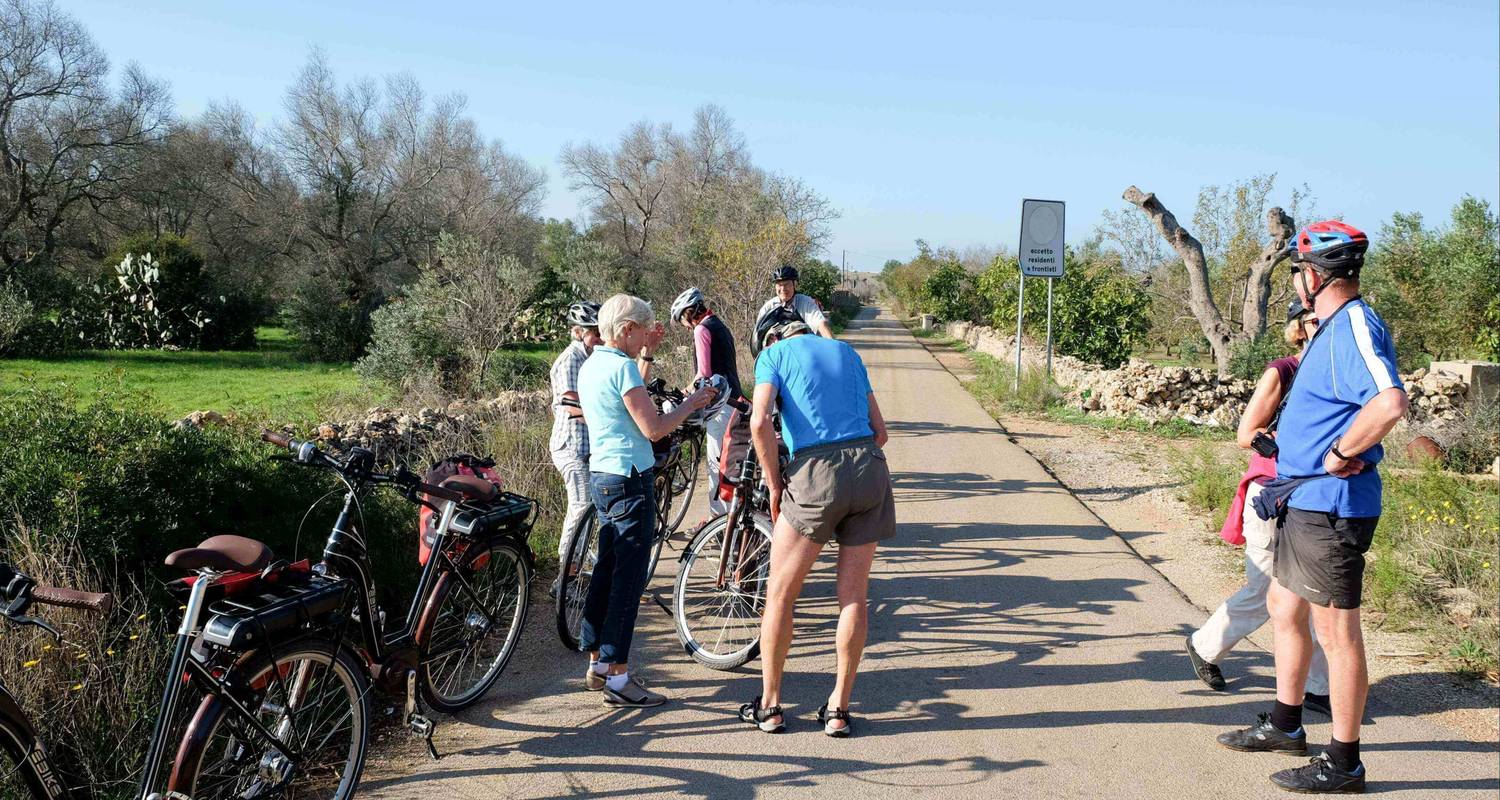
pixel 593 681
pixel 632 695
pixel 1264 737
pixel 1318 703
pixel 1320 776
pixel 1206 672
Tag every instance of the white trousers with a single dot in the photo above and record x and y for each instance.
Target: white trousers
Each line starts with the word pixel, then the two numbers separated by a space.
pixel 1245 610
pixel 717 425
pixel 575 474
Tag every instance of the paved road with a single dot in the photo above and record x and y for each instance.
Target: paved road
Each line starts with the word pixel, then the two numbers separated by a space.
pixel 1018 649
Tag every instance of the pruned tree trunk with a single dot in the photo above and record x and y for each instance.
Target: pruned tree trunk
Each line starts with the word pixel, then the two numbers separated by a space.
pixel 1258 285
pixel 1200 299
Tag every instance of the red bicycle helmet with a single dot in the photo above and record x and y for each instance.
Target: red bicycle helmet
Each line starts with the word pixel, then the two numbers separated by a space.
pixel 1331 247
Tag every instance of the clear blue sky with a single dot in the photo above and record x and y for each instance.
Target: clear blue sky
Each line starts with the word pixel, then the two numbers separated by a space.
pixel 929 119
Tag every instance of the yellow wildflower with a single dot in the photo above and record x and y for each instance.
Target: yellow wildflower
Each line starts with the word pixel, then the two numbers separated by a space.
pixel 33 662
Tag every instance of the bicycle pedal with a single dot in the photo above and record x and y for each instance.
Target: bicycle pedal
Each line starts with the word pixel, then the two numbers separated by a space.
pixel 423 726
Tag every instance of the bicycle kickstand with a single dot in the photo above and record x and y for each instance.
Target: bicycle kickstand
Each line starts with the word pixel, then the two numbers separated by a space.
pixel 418 723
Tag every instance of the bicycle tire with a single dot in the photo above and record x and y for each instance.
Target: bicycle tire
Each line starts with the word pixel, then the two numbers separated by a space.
pixel 573 581
pixel 685 469
pixel 18 780
pixel 697 601
pixel 662 490
pixel 212 732
pixel 498 565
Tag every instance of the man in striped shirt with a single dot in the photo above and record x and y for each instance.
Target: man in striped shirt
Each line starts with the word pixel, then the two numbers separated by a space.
pixel 570 434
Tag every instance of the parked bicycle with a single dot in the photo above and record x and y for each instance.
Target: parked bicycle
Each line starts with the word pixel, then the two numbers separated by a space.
pixel 720 592
pixel 679 458
pixel 272 665
pixel 25 767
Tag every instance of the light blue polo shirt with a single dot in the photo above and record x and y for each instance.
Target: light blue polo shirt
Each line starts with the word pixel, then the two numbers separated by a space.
pixel 823 387
pixel 616 444
pixel 1351 360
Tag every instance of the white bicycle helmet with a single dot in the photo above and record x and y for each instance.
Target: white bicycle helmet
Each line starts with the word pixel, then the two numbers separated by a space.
pixel 584 314
pixel 720 384
pixel 691 298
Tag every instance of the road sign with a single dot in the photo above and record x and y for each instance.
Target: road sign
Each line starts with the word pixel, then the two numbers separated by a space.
pixel 1042 238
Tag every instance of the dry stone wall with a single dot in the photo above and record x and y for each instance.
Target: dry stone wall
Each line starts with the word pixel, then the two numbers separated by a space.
pixel 1156 394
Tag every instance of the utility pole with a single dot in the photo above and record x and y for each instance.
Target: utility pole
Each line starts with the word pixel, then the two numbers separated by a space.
pixel 843 271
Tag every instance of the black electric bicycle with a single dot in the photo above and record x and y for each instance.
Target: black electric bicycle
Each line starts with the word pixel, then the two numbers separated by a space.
pixel 272 664
pixel 720 592
pixel 25 768
pixel 679 457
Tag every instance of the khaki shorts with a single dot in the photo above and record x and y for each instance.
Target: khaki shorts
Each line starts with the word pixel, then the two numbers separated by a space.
pixel 840 491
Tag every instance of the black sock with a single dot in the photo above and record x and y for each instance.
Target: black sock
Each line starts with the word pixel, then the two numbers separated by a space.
pixel 1287 719
pixel 1344 755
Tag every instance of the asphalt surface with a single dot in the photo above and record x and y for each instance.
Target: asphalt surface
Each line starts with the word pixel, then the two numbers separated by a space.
pixel 1018 648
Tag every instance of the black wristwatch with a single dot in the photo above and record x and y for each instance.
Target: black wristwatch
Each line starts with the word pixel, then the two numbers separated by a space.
pixel 648 359
pixel 1335 450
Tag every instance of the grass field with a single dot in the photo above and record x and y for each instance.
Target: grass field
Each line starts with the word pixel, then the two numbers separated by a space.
pixel 270 379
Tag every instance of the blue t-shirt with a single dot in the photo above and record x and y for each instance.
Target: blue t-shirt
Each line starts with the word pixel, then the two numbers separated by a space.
pixel 1351 360
pixel 823 388
pixel 616 444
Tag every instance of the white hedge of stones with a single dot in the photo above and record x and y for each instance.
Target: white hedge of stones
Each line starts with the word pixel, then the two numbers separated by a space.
pixel 1156 394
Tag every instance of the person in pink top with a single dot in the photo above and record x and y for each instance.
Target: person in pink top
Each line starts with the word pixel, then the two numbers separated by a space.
pixel 1245 610
pixel 713 347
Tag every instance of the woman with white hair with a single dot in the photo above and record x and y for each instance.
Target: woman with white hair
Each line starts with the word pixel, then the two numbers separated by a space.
pixel 622 424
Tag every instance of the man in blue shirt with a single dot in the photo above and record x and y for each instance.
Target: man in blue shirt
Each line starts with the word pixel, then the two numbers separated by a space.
pixel 1345 398
pixel 837 486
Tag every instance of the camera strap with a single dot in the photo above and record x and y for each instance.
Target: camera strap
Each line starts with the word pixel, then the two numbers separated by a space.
pixel 1286 394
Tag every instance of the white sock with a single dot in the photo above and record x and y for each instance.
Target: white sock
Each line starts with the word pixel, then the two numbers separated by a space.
pixel 617 682
pixel 598 668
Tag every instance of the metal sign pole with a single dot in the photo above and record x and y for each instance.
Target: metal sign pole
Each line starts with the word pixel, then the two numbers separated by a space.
pixel 1020 314
pixel 1049 327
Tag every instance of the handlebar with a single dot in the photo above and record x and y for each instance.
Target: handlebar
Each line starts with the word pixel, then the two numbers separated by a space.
pixel 310 454
pixel 72 598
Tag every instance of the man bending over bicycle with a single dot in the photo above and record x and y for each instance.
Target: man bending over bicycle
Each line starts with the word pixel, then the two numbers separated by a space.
pixel 837 486
pixel 570 434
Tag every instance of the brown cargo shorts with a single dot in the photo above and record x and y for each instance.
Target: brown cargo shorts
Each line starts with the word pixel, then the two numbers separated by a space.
pixel 840 491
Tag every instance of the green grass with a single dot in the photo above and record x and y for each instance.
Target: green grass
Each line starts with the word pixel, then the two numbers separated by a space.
pixel 270 379
pixel 1209 483
pixel 1438 530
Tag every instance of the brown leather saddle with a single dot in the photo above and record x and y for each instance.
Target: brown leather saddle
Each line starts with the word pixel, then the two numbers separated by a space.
pixel 223 554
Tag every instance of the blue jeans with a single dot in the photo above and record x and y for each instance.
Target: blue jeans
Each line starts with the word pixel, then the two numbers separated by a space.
pixel 627 532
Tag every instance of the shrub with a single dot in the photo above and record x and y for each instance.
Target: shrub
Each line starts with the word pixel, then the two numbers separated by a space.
pixel 15 315
pixel 950 292
pixel 130 487
pixel 1099 312
pixel 1248 359
pixel 818 279
pixel 329 318
pixel 443 337
pixel 180 305
pixel 514 371
pixel 1474 439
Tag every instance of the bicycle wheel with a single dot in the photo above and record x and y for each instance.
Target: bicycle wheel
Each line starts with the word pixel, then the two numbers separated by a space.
pixel 662 489
pixel 471 624
pixel 313 696
pixel 718 622
pixel 18 780
pixel 573 584
pixel 685 479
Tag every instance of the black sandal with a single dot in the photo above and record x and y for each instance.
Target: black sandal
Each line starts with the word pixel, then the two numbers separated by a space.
pixel 826 716
pixel 760 717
